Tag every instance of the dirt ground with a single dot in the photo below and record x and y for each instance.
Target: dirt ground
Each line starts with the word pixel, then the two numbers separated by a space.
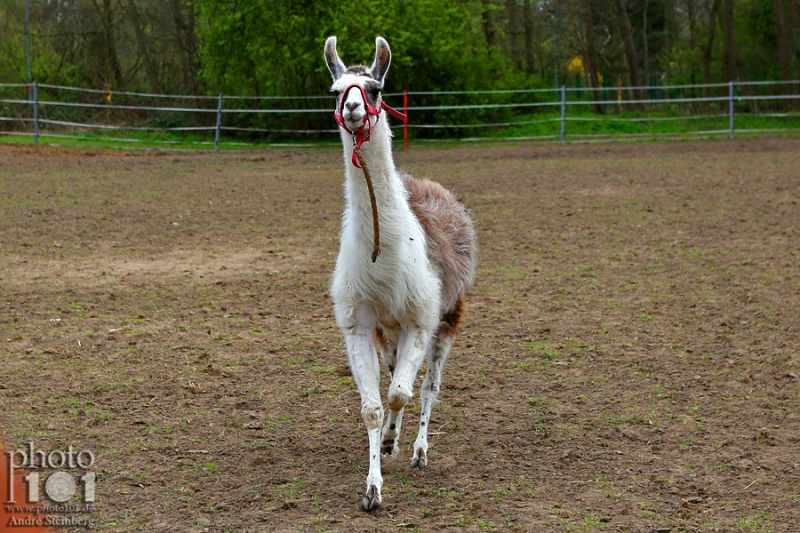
pixel 629 363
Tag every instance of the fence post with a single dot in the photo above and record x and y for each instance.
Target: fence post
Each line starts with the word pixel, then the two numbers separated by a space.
pixel 730 107
pixel 563 110
pixel 405 121
pixel 36 113
pixel 219 124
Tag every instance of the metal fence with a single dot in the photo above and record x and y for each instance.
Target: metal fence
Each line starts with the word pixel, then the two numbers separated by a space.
pixel 554 115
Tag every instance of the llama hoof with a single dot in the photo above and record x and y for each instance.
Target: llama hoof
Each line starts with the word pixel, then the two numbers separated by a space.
pixel 372 499
pixel 390 452
pixel 419 462
pixel 389 448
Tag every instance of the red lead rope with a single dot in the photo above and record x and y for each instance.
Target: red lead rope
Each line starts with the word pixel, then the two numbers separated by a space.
pixel 362 134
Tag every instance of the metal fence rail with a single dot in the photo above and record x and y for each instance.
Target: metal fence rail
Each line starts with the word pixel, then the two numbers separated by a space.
pixel 69 112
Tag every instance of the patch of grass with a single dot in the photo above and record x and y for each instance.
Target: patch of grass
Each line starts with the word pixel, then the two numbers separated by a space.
pixel 543 349
pixel 759 523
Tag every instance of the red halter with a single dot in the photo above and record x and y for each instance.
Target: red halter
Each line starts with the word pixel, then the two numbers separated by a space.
pixel 363 133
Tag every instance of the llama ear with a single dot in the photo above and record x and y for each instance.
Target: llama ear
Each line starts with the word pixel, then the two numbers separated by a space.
pixel 383 56
pixel 335 64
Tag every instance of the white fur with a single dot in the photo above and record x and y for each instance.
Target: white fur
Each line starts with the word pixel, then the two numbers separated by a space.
pixel 401 285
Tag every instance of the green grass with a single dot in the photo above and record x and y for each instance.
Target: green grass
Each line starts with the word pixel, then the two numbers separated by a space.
pixel 629 124
pixel 167 141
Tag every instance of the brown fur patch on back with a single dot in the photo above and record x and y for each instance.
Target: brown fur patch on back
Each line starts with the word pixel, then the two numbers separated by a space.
pixel 451 241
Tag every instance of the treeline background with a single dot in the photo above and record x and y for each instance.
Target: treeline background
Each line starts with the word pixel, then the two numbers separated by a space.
pixel 270 48
pixel 274 48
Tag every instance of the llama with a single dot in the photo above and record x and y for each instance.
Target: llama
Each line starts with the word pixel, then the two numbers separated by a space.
pixel 405 297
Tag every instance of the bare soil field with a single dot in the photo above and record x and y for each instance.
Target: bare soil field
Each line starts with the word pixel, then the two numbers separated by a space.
pixel 629 361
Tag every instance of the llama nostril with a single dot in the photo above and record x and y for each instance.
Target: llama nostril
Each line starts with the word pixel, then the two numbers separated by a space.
pixel 352 106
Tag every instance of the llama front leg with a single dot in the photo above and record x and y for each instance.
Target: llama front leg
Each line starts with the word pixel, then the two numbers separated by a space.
pixel 414 342
pixel 404 367
pixel 374 419
pixel 365 368
pixel 430 390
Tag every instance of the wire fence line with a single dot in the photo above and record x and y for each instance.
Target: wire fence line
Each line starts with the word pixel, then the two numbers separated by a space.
pixel 63 112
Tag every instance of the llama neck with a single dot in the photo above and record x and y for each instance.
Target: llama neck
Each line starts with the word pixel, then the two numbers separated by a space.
pixel 389 190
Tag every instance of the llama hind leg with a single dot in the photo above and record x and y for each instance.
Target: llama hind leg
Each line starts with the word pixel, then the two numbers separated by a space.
pixel 390 437
pixel 428 394
pixel 437 357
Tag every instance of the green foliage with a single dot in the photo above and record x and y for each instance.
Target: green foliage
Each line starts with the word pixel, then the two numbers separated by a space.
pixel 46 63
pixel 758 40
pixel 271 47
pixel 260 47
pixel 12 46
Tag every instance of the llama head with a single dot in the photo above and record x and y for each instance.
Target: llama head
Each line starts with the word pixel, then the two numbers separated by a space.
pixel 351 103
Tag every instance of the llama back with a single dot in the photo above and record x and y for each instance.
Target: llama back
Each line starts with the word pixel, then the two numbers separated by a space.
pixel 451 241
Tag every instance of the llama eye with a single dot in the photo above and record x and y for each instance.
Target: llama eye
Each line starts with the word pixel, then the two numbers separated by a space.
pixel 335 93
pixel 374 92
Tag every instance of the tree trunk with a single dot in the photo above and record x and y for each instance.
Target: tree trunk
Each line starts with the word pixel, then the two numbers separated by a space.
pixel 729 55
pixel 114 71
pixel 630 49
pixel 784 45
pixel 708 51
pixel 489 29
pixel 187 41
pixel 793 31
pixel 141 42
pixel 669 24
pixel 530 63
pixel 514 32
pixel 591 55
pixel 646 43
